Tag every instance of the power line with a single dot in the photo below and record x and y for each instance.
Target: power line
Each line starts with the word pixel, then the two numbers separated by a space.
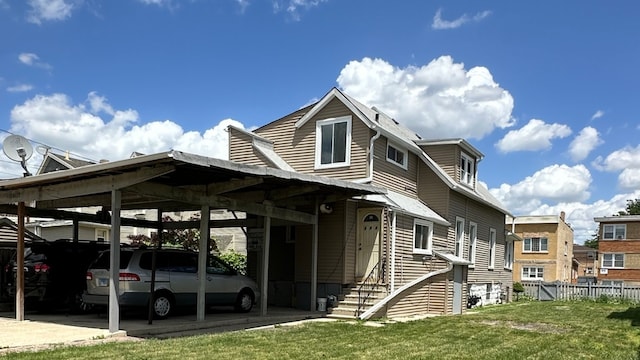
pixel 78 156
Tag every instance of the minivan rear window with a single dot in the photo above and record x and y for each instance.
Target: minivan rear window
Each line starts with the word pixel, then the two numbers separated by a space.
pixel 102 262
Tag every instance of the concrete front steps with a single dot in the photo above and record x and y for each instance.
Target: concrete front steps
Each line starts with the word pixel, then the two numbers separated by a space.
pixel 346 306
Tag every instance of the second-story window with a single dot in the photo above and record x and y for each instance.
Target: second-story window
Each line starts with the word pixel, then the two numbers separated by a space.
pixel 535 244
pixel 397 155
pixel 614 232
pixel 613 261
pixel 333 142
pixel 467 169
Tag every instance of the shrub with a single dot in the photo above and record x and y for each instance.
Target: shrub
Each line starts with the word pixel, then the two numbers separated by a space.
pixel 518 287
pixel 236 260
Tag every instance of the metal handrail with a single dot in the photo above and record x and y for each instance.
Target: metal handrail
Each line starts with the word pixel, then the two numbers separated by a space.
pixel 369 284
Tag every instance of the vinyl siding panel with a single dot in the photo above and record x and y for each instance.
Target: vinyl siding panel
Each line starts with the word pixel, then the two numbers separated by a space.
pixel 432 190
pixel 392 176
pixel 331 242
pixel 297 146
pixel 351 228
pixel 446 156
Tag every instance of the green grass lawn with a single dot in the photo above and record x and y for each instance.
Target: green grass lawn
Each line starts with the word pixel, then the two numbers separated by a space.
pixel 521 330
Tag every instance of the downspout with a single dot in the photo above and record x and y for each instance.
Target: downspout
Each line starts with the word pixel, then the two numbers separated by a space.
pixel 392 273
pixel 367 314
pixel 369 178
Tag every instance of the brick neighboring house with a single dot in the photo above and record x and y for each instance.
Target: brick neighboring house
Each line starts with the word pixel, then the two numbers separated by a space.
pixel 619 249
pixel 546 253
pixel 436 236
pixel 586 264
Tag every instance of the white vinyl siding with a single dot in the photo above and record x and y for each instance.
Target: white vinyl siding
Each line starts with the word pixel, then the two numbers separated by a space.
pixel 614 232
pixel 333 142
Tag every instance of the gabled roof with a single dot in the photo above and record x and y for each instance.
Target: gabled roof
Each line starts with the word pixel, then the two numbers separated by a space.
pixel 392 129
pixel 265 147
pixel 9 232
pixel 407 205
pixel 54 162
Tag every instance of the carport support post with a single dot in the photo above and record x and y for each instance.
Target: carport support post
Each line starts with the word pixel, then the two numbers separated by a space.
pixel 314 258
pixel 114 263
pixel 205 216
pixel 20 264
pixel 264 288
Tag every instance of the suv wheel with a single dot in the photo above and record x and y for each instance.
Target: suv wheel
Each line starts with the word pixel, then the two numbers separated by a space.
pixel 162 305
pixel 244 302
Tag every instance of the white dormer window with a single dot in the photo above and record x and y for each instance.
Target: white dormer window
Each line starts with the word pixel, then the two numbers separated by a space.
pixel 467 169
pixel 333 142
pixel 397 155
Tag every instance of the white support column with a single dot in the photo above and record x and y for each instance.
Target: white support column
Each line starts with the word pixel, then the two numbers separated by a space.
pixel 20 264
pixel 264 286
pixel 114 263
pixel 314 259
pixel 205 216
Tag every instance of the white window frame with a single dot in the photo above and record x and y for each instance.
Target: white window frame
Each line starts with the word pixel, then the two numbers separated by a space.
pixel 508 255
pixel 99 232
pixel 615 228
pixel 613 258
pixel 473 241
pixel 327 122
pixel 527 272
pixel 398 150
pixel 467 169
pixel 429 226
pixel 492 248
pixel 530 240
pixel 459 245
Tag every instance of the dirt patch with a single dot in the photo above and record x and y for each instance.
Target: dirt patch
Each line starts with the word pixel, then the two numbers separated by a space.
pixel 33 348
pixel 537 327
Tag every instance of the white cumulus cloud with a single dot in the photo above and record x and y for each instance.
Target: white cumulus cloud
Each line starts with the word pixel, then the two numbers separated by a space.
pixel 557 183
pixel 20 88
pixel 582 145
pixel 49 10
pixel 437 100
pixel 94 129
pixel 536 135
pixel 627 157
pixel 441 24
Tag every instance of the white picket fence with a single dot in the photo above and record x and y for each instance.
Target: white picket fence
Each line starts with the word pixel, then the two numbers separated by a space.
pixel 565 291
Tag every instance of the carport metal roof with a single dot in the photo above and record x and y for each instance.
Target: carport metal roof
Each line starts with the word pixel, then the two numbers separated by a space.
pixel 178 181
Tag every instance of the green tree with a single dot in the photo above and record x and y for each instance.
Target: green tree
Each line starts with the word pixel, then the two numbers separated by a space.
pixel 593 242
pixel 633 207
pixel 187 239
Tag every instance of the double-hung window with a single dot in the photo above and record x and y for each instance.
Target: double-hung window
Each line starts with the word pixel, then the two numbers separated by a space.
pixel 614 232
pixel 459 236
pixel 397 155
pixel 422 236
pixel 473 237
pixel 532 273
pixel 467 169
pixel 613 261
pixel 508 255
pixel 535 244
pixel 333 142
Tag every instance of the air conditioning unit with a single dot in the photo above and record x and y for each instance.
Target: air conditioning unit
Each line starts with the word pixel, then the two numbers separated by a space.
pixel 619 237
pixel 604 271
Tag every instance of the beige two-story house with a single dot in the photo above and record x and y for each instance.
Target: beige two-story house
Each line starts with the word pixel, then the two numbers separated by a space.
pixel 546 252
pixel 414 250
pixel 619 250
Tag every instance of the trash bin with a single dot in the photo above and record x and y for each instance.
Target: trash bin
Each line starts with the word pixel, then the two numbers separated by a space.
pixel 322 304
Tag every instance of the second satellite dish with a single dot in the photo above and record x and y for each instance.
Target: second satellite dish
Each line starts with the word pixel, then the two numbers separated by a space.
pixel 17 148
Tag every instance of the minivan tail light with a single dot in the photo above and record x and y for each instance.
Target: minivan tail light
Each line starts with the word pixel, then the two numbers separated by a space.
pixel 129 277
pixel 41 268
pixel 89 276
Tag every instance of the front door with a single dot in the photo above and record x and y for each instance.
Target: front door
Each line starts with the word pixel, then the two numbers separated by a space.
pixel 368 245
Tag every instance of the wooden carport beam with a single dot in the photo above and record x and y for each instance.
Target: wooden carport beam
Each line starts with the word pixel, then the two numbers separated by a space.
pixel 233 185
pixel 71 188
pixel 193 197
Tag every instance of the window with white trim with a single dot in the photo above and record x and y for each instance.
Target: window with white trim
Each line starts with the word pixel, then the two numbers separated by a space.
pixel 492 248
pixel 613 261
pixel 422 236
pixel 467 169
pixel 459 250
pixel 397 155
pixel 473 237
pixel 532 273
pixel 535 244
pixel 333 142
pixel 508 255
pixel 101 235
pixel 614 232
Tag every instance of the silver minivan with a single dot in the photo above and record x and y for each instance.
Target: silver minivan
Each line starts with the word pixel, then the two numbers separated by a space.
pixel 176 281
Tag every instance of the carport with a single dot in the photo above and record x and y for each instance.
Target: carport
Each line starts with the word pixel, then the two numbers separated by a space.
pixel 177 181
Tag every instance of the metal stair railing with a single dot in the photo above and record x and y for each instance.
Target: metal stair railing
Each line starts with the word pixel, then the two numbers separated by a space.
pixel 370 283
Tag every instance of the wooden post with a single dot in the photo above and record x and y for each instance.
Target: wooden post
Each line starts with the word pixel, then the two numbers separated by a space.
pixel 20 264
pixel 264 288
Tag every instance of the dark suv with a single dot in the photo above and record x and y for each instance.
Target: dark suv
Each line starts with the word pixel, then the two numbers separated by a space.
pixel 54 273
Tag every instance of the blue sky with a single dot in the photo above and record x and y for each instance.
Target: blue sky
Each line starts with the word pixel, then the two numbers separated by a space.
pixel 547 90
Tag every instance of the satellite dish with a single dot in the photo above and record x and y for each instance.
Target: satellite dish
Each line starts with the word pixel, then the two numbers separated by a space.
pixel 17 148
pixel 42 149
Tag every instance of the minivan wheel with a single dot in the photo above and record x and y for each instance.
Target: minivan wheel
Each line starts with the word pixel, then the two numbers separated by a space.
pixel 162 305
pixel 244 301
